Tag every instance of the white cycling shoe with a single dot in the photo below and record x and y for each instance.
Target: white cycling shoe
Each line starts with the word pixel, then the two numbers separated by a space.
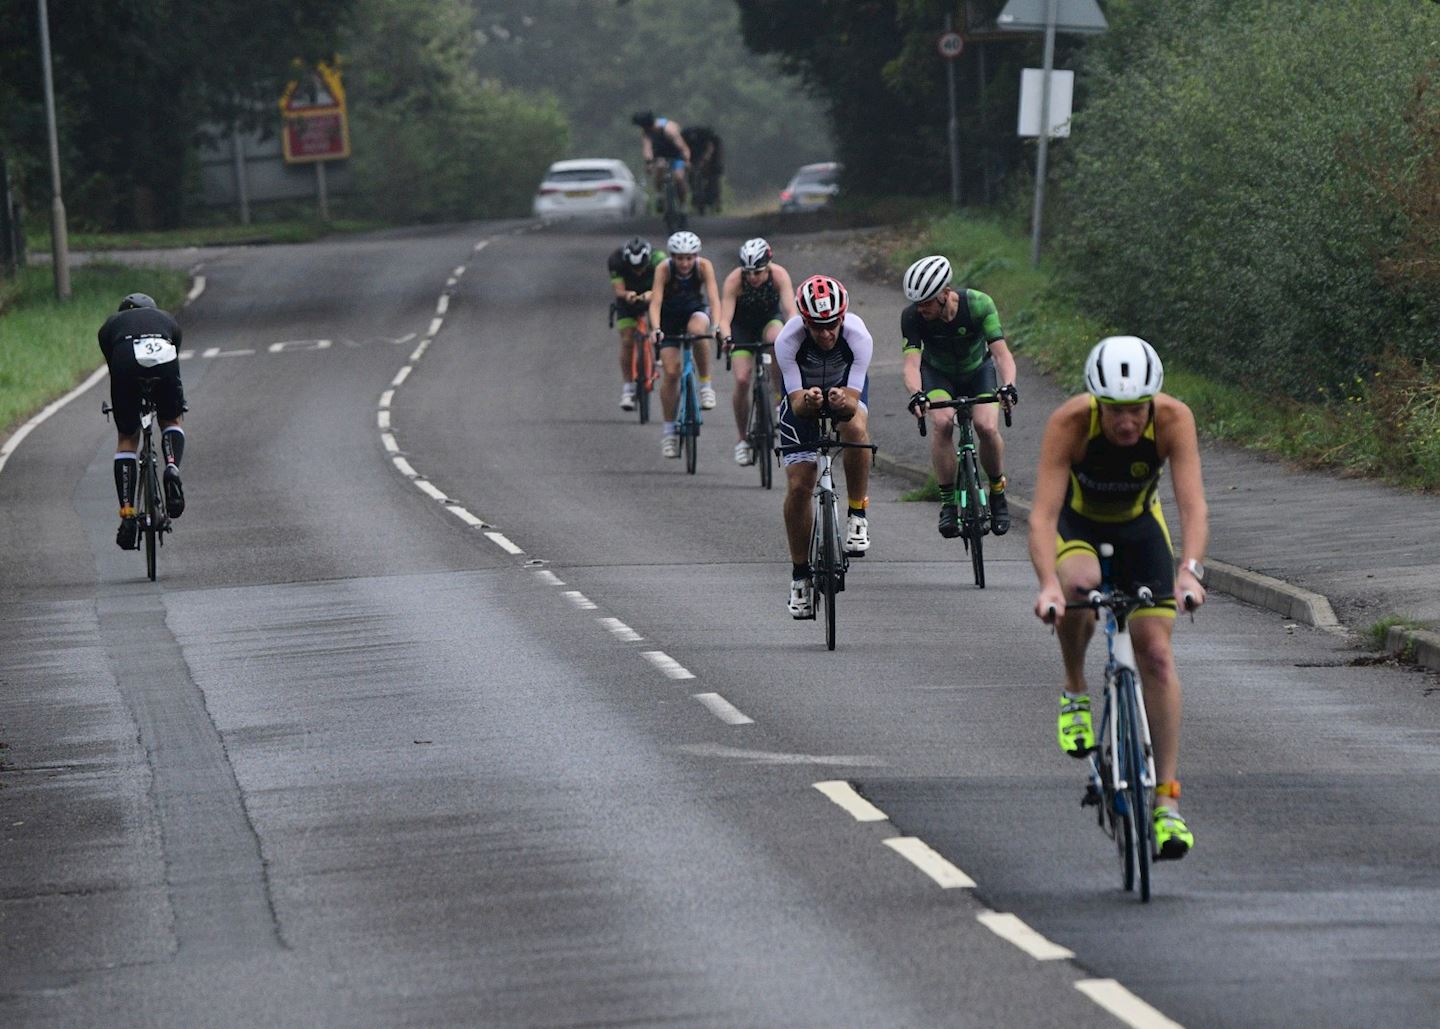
pixel 744 454
pixel 627 398
pixel 669 446
pixel 707 397
pixel 802 598
pixel 857 535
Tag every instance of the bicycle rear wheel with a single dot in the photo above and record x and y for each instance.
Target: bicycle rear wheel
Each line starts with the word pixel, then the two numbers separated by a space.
pixel 762 432
pixel 152 513
pixel 974 517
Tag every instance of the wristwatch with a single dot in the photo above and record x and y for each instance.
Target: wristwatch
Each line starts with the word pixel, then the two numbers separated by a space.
pixel 1196 569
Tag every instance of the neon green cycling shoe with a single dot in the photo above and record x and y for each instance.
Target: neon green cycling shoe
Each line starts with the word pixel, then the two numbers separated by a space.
pixel 1173 838
pixel 1077 735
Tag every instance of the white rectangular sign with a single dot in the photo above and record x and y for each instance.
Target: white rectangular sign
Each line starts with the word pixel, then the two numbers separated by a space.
pixel 1062 87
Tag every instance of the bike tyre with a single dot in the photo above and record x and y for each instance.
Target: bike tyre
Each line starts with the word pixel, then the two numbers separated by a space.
pixel 762 436
pixel 690 438
pixel 153 513
pixel 642 399
pixel 1137 798
pixel 974 516
pixel 829 565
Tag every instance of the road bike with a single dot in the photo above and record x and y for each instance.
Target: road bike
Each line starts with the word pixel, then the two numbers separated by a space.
pixel 971 497
pixel 642 361
pixel 760 429
pixel 672 207
pixel 1122 766
pixel 828 560
pixel 687 404
pixel 149 494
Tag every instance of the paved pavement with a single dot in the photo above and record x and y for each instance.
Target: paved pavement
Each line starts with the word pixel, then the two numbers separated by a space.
pixel 1326 551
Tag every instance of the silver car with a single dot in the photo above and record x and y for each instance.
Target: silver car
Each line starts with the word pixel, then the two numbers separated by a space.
pixel 812 188
pixel 592 186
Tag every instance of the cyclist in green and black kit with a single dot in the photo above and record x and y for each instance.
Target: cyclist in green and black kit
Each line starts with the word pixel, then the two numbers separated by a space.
pixel 954 347
pixel 632 275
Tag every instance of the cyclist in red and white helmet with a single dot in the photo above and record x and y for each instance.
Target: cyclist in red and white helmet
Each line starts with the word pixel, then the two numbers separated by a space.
pixel 954 347
pixel 824 356
pixel 755 301
pixel 683 298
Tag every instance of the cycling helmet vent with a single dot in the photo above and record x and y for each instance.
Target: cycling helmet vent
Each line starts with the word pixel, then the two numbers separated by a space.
pixel 637 251
pixel 683 242
pixel 754 253
pixel 135 300
pixel 822 300
pixel 1123 370
pixel 926 278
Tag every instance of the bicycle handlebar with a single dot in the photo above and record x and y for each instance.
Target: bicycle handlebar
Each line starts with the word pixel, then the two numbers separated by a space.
pixel 827 440
pixel 729 342
pixel 962 402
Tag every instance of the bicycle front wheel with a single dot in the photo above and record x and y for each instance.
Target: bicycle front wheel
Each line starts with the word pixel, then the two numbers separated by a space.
pixel 1137 798
pixel 762 433
pixel 153 512
pixel 690 437
pixel 829 564
pixel 974 517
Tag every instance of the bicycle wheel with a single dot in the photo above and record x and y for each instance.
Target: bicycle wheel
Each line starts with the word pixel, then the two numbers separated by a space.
pixel 153 511
pixel 1137 800
pixel 974 518
pixel 829 563
pixel 673 217
pixel 690 437
pixel 642 398
pixel 762 432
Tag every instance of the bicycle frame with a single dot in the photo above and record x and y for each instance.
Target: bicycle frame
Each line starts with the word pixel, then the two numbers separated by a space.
pixel 760 427
pixel 971 495
pixel 687 404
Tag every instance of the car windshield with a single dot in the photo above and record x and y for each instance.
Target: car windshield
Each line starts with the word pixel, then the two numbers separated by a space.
pixel 816 178
pixel 579 175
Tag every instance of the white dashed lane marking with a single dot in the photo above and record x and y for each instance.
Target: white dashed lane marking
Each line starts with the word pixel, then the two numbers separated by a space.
pixel 923 857
pixel 667 664
pixel 504 544
pixel 843 794
pixel 549 578
pixel 723 709
pixel 401 376
pixel 580 600
pixel 618 629
pixel 1011 928
pixel 1124 1005
pixel 430 490
pixel 466 517
pixel 405 469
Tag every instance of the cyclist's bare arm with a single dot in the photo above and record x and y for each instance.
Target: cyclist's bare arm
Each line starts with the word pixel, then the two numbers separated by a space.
pixel 786 289
pixel 707 276
pixel 673 131
pixel 1179 444
pixel 910 372
pixel 1004 362
pixel 657 293
pixel 1062 444
pixel 729 296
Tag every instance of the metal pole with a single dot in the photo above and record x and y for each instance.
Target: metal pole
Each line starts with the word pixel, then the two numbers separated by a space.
pixel 954 124
pixel 242 186
pixel 1051 13
pixel 59 241
pixel 320 193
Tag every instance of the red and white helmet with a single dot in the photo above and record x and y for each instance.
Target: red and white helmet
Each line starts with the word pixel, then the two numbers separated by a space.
pixel 822 300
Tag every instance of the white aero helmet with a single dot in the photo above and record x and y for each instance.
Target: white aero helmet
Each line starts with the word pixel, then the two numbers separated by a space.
pixel 683 242
pixel 926 278
pixel 1123 370
pixel 754 253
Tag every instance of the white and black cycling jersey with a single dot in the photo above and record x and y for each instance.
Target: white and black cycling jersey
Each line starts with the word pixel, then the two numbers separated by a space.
pixel 803 363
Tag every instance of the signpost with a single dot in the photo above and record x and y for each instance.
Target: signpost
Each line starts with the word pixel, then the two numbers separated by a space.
pixel 951 44
pixel 1049 16
pixel 317 128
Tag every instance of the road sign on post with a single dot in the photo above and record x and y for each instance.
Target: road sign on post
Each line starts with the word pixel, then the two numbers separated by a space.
pixel 950 44
pixel 316 125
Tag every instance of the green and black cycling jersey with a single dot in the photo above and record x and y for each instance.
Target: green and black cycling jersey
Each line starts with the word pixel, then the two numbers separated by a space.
pixel 636 280
pixel 954 348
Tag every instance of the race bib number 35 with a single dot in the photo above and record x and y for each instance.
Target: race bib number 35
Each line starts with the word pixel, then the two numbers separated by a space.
pixel 153 350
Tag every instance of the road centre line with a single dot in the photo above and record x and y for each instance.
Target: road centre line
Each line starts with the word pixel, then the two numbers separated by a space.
pixel 723 709
pixel 435 324
pixel 401 376
pixel 196 288
pixel 580 600
pixel 481 245
pixel 1124 1005
pixel 405 469
pixel 443 304
pixel 382 419
pixel 1011 929
pixel 929 861
pixel 843 794
pixel 466 517
pixel 667 664
pixel 548 577
pixel 388 439
pixel 386 397
pixel 616 627
pixel 419 350
pixel 504 544
pixel 247 352
pixel 430 490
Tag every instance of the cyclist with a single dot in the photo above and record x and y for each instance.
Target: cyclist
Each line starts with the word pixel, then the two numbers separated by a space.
pixel 681 300
pixel 954 347
pixel 1100 464
pixel 756 300
pixel 824 357
pixel 140 341
pixel 632 274
pixel 661 143
pixel 707 154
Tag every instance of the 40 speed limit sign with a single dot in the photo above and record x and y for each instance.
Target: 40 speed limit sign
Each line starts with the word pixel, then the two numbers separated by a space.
pixel 950 45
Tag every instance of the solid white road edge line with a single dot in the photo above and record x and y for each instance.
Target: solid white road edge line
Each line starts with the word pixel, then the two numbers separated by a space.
pixel 843 794
pixel 1124 1005
pixel 923 857
pixel 723 709
pixel 1010 928
pixel 667 664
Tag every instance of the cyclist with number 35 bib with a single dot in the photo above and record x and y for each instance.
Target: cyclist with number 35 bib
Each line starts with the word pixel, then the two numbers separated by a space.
pixel 140 341
pixel 1098 482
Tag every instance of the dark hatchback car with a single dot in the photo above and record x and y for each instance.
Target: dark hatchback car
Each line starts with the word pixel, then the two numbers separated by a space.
pixel 811 188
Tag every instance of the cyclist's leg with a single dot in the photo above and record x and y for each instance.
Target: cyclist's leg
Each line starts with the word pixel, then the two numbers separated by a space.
pixel 699 325
pixel 1078 568
pixel 681 187
pixel 742 363
pixel 670 384
pixel 627 349
pixel 987 420
pixel 857 483
pixel 1146 559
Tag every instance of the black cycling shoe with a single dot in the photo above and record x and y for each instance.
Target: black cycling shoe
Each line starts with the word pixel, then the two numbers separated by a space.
pixel 127 537
pixel 999 514
pixel 174 495
pixel 949 521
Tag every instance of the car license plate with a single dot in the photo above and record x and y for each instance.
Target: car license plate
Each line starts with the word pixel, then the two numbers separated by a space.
pixel 579 192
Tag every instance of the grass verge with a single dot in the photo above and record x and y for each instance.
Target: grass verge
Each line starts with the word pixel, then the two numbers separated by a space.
pixel 47 347
pixel 1380 629
pixel 1386 428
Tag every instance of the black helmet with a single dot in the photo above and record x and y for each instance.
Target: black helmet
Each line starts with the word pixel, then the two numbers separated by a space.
pixel 644 119
pixel 135 300
pixel 636 252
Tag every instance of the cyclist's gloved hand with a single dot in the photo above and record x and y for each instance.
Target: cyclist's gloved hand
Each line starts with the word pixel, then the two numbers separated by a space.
pixel 658 335
pixel 729 342
pixel 1010 395
pixel 918 403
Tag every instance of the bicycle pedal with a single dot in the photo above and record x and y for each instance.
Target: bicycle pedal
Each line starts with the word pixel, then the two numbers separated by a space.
pixel 1091 798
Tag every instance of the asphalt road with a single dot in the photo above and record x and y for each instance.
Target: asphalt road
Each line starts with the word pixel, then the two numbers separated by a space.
pixel 455 703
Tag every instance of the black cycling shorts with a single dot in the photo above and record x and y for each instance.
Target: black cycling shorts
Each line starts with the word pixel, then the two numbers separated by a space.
pixel 1143 553
pixel 125 376
pixel 981 382
pixel 746 336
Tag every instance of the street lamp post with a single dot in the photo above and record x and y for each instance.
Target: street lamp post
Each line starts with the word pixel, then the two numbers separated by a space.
pixel 59 243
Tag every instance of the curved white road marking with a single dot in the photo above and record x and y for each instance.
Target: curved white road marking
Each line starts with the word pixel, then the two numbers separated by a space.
pixel 923 857
pixel 401 376
pixel 196 288
pixel 1010 928
pixel 405 469
pixel 1124 1005
pixel 843 794
pixel 430 490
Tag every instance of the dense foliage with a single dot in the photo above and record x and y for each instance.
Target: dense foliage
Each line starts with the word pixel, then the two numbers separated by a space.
pixel 682 60
pixel 431 138
pixel 135 80
pixel 1247 186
